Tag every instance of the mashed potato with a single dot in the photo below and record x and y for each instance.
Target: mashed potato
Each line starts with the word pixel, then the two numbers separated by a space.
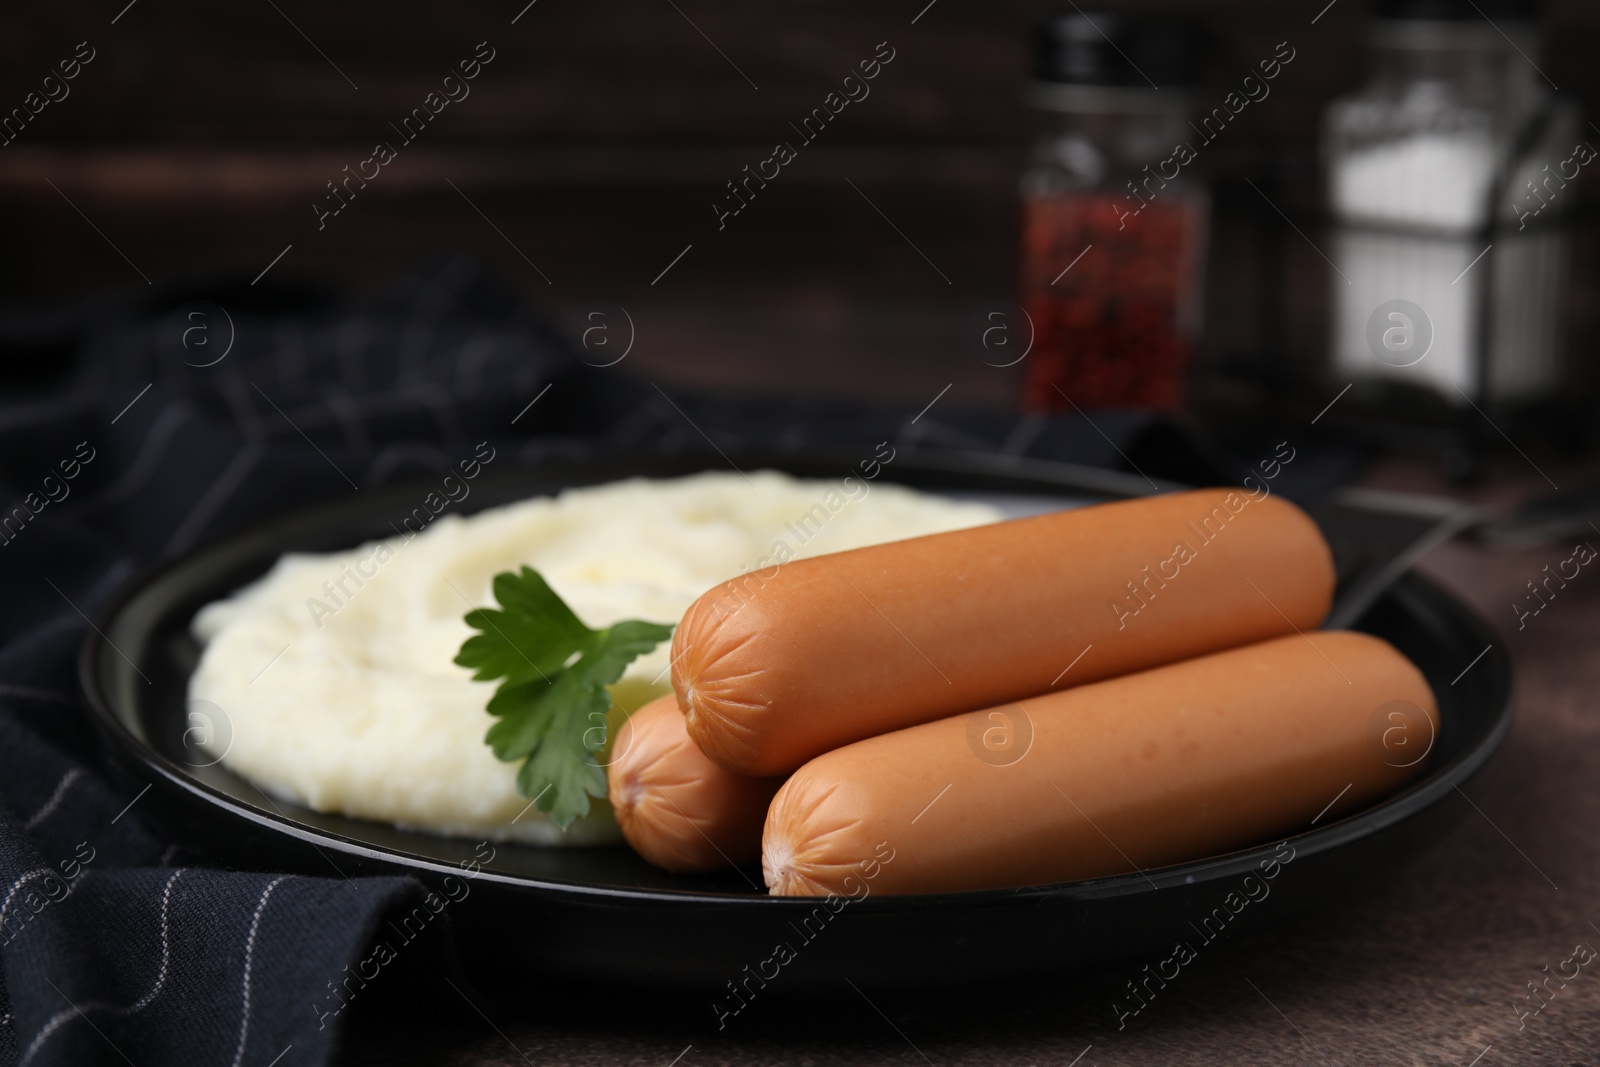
pixel 334 673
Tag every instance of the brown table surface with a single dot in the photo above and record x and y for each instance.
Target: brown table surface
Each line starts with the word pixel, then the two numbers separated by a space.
pixel 1430 967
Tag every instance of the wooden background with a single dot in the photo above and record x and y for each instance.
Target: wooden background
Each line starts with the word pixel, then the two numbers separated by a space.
pixel 593 145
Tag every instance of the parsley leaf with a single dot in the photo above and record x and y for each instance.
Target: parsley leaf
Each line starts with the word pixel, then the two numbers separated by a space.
pixel 552 701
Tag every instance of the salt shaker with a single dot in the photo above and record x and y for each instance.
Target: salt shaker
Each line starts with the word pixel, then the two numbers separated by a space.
pixel 1448 275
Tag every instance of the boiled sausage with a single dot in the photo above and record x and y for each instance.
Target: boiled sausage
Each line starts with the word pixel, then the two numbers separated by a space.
pixel 1167 765
pixel 777 666
pixel 676 808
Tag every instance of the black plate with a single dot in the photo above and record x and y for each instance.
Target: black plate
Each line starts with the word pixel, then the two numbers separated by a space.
pixel 606 914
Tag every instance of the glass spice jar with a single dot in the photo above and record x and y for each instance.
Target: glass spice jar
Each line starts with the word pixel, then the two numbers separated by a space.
pixel 1450 275
pixel 1114 220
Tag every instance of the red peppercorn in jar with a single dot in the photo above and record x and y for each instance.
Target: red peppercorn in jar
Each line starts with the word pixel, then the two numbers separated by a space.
pixel 1114 220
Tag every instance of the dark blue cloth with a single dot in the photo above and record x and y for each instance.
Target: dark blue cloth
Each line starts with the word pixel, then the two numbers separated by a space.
pixel 116 944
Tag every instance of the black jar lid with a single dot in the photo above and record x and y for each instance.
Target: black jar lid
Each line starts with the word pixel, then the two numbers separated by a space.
pixel 1111 50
